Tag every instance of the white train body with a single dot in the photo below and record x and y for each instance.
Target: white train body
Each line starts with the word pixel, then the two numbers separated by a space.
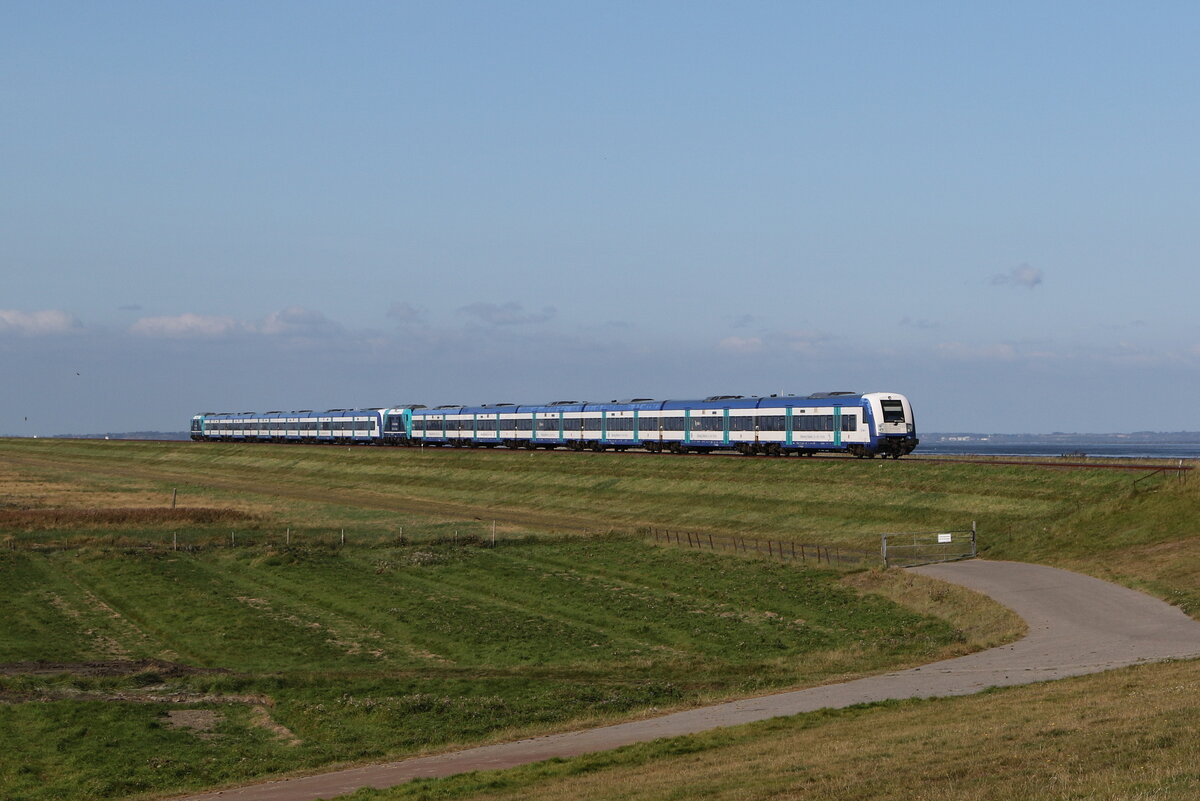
pixel 877 423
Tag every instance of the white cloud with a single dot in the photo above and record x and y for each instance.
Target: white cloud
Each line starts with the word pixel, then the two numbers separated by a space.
pixel 298 321
pixel 294 321
pixel 187 326
pixel 37 323
pixel 1022 276
pixel 740 344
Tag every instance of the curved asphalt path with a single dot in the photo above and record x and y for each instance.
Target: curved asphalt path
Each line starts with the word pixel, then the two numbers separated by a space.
pixel 1077 624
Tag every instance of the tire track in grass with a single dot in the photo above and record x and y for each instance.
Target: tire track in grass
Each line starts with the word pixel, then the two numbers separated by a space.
pixel 32 616
pixel 704 603
pixel 125 638
pixel 489 603
pixel 669 639
pixel 345 627
pixel 197 615
pixel 518 592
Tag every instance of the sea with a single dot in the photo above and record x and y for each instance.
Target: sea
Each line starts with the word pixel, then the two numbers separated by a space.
pixel 1058 445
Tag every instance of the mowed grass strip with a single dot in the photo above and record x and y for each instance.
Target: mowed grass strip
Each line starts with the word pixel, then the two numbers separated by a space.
pixel 1128 734
pixel 1131 527
pixel 371 653
pixel 843 500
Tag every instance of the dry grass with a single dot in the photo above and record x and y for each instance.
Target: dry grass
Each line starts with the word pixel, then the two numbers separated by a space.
pixel 1128 734
pixel 55 519
pixel 982 622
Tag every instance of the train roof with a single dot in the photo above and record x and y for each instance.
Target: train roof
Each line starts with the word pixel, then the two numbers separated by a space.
pixel 835 398
pixel 647 404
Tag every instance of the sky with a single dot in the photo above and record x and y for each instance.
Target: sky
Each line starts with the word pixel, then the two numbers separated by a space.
pixel 993 208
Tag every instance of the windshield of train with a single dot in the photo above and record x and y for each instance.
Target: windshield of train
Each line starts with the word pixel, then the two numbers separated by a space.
pixel 893 411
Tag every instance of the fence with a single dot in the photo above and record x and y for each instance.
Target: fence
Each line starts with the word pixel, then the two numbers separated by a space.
pixel 774 549
pixel 323 538
pixel 923 548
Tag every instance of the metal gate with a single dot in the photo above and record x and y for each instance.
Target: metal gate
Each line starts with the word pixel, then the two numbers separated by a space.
pixel 910 550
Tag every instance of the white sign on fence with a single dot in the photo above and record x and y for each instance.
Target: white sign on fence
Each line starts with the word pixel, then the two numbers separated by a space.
pixel 945 537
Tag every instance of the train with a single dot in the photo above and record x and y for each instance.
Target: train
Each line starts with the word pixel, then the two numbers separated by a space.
pixel 859 424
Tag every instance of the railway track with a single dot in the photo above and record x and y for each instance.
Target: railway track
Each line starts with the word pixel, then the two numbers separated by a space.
pixel 1138 463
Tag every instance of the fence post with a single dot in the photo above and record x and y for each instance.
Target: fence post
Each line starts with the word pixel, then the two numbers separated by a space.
pixel 973 551
pixel 770 551
pixel 883 549
pixel 710 543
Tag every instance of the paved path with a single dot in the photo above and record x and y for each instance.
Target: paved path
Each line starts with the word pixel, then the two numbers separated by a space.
pixel 1077 625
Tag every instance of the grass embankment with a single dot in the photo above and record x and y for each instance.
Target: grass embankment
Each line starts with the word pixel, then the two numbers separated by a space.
pixel 1127 735
pixel 1103 522
pixel 271 614
pixel 322 655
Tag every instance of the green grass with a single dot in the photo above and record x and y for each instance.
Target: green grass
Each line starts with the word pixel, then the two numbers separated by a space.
pixel 1128 735
pixel 380 649
pixel 373 652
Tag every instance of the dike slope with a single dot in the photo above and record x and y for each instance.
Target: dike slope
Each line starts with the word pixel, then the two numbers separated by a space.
pixel 1077 625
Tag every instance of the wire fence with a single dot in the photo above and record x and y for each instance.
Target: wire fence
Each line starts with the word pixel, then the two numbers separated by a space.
pixel 195 541
pixel 804 553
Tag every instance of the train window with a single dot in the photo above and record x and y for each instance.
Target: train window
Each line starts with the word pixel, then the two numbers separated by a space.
pixel 849 422
pixel 893 411
pixel 741 423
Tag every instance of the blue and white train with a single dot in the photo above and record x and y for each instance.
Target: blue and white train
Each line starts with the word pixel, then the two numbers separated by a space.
pixel 864 425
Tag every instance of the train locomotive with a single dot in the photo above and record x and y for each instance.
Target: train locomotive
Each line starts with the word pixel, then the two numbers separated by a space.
pixel 860 424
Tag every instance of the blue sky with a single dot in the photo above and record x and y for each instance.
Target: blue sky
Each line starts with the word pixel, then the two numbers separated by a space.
pixel 992 208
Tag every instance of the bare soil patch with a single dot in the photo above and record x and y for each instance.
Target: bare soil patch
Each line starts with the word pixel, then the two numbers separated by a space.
pixel 200 721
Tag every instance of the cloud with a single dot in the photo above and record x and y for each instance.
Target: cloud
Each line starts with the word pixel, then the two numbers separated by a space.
pixel 37 323
pixel 511 313
pixel 187 326
pixel 407 313
pixel 740 344
pixel 296 321
pixel 742 320
pixel 1022 276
